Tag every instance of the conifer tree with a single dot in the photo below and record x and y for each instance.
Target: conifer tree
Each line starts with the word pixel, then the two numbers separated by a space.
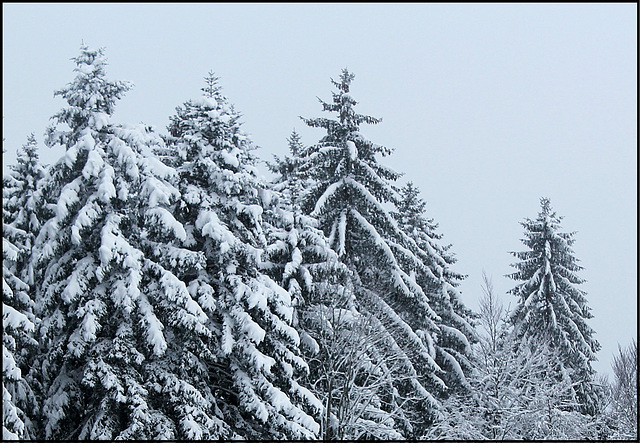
pixel 336 338
pixel 290 180
pixel 257 351
pixel 114 319
pixel 298 256
pixel 455 321
pixel 17 331
pixel 20 226
pixel 347 195
pixel 551 308
pixel 22 204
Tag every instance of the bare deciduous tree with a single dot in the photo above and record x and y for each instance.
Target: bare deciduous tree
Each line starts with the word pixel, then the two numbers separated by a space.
pixel 624 391
pixel 355 381
pixel 516 394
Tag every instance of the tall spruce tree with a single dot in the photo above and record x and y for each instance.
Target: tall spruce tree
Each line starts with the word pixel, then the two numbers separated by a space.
pixel 258 361
pixel 115 320
pixel 348 194
pixel 551 308
pixel 439 282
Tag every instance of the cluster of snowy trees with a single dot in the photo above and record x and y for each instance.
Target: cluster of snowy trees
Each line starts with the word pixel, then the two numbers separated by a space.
pixel 156 287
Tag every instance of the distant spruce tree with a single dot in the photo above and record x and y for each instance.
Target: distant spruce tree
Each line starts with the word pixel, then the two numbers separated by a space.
pixel 114 318
pixel 257 358
pixel 551 308
pixel 290 180
pixel 22 199
pixel 348 192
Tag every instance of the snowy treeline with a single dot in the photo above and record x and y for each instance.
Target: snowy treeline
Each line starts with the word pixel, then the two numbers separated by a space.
pixel 156 287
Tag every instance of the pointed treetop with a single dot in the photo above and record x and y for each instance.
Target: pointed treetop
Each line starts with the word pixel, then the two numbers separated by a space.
pixel 28 167
pixel 346 78
pixel 343 104
pixel 31 147
pixel 295 143
pixel 27 158
pixel 547 221
pixel 91 98
pixel 547 211
pixel 90 57
pixel 411 200
pixel 545 203
pixel 90 66
pixel 212 88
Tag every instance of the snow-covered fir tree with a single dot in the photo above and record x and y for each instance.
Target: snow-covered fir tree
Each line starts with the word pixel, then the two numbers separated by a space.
pixel 551 308
pixel 23 205
pixel 298 256
pixel 337 339
pixel 21 223
pixel 347 195
pixel 258 360
pixel 290 180
pixel 438 281
pixel 17 335
pixel 114 320
pixel 299 259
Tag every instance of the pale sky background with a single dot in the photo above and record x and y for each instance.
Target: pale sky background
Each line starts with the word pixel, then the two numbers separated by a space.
pixel 488 106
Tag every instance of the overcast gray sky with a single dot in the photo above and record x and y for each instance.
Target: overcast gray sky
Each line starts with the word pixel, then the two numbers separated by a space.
pixel 488 106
